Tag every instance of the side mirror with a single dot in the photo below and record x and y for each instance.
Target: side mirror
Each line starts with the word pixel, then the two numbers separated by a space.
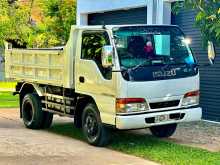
pixel 211 52
pixel 107 56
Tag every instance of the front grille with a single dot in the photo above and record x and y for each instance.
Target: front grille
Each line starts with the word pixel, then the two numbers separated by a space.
pixel 165 104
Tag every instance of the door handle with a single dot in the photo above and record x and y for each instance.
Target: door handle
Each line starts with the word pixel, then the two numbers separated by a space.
pixel 81 79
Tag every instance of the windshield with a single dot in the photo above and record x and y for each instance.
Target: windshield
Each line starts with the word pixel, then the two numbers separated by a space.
pixel 149 46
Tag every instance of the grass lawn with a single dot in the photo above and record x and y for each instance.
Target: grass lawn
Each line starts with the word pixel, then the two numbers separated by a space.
pixel 7 100
pixel 148 147
pixel 7 85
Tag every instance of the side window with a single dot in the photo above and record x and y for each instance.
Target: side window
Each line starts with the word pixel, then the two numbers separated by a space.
pixel 92 43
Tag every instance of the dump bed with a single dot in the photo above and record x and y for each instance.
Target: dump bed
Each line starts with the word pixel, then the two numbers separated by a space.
pixel 42 66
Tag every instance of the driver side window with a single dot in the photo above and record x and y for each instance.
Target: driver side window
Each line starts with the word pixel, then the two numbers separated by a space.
pixel 92 43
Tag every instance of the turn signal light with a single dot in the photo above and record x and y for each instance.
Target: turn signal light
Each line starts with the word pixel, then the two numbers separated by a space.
pixel 191 94
pixel 126 105
pixel 191 99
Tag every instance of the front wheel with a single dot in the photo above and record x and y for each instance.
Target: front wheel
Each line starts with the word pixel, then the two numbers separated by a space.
pixel 163 131
pixel 95 132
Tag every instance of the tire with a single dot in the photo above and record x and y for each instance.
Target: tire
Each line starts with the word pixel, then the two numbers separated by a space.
pixel 163 131
pixel 32 113
pixel 93 129
pixel 47 120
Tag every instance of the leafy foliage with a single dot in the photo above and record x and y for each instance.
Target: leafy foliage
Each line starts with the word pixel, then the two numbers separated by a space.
pixel 207 18
pixel 53 27
pixel 14 22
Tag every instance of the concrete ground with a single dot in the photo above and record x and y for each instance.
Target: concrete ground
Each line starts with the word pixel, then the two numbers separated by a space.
pixel 19 146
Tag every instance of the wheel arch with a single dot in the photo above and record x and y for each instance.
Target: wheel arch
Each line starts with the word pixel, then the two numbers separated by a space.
pixel 30 87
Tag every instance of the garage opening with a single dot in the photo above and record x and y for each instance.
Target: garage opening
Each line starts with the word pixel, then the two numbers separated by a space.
pixel 131 16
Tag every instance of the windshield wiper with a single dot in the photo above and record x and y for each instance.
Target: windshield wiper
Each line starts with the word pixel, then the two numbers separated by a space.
pixel 139 65
pixel 164 66
pixel 129 70
pixel 173 64
pixel 177 64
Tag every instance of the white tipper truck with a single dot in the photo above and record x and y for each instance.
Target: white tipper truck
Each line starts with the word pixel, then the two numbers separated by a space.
pixel 109 77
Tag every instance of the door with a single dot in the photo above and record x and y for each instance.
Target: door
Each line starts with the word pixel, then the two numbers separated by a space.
pixel 119 17
pixel 93 79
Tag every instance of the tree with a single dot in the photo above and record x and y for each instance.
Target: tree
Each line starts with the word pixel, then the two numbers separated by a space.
pixel 51 27
pixel 54 28
pixel 14 23
pixel 207 18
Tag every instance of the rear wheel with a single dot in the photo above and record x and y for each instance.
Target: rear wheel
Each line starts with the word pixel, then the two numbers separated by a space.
pixel 95 132
pixel 163 130
pixel 32 113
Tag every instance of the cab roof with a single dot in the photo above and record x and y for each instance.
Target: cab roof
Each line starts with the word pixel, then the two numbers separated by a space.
pixel 110 27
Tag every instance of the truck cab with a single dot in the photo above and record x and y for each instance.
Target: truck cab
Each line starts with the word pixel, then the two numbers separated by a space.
pixel 111 77
pixel 145 88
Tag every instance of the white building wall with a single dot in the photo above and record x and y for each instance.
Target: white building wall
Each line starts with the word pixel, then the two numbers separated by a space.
pixel 158 11
pixel 93 6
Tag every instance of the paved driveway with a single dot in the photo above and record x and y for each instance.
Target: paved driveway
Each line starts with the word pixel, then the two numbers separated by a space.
pixel 19 145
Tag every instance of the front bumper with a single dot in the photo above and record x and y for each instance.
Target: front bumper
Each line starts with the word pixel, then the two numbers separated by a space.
pixel 139 121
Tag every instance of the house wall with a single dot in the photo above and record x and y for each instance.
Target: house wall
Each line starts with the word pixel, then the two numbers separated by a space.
pixel 158 11
pixel 210 76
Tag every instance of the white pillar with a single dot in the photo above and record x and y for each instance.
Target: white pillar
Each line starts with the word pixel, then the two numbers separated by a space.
pixel 167 10
pixel 150 12
pixel 82 19
pixel 158 12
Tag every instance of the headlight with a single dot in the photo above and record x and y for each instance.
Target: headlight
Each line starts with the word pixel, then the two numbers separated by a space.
pixel 127 105
pixel 191 98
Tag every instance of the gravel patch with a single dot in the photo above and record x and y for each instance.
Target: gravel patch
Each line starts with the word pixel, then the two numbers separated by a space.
pixel 201 134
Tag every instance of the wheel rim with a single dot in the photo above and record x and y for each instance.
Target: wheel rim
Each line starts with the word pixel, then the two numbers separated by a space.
pixel 28 112
pixel 91 127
